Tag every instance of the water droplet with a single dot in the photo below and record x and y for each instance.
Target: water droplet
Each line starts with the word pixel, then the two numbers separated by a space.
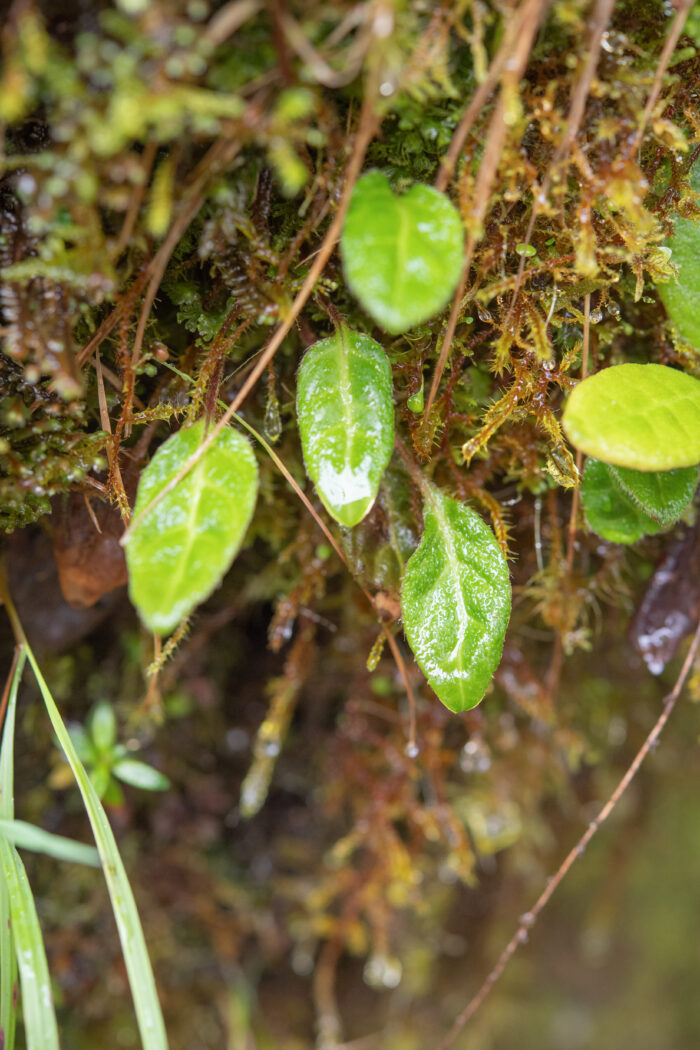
pixel 411 749
pixel 475 756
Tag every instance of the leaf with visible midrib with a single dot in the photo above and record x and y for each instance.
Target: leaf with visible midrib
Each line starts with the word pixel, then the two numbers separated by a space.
pixel 646 417
pixel 610 511
pixel 178 552
pixel 456 602
pixel 346 421
pixel 662 494
pixel 623 505
pixel 402 255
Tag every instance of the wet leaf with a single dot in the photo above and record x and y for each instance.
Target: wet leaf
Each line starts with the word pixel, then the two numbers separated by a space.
pixel 178 552
pixel 663 494
pixel 681 297
pixel 456 602
pixel 346 421
pixel 402 255
pixel 646 417
pixel 610 511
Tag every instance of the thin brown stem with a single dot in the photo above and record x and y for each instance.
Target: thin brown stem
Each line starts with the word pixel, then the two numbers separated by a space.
pixel 571 539
pixel 366 130
pixel 528 920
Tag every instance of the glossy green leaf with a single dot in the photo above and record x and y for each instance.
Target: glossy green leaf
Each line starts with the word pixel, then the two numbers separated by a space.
pixel 178 552
pixel 28 836
pixel 403 255
pixel 346 421
pixel 610 511
pixel 456 602
pixel 646 417
pixel 141 775
pixel 37 1000
pixel 681 297
pixel 663 494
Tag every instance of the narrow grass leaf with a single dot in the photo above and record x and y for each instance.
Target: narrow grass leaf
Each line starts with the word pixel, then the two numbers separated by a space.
pixel 37 1001
pixel 138 966
pixel 8 958
pixel 28 836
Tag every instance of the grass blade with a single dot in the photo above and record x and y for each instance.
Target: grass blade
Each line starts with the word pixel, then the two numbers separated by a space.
pixel 28 836
pixel 8 960
pixel 37 1002
pixel 138 966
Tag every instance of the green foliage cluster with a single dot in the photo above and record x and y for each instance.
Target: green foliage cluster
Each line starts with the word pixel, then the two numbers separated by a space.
pixel 171 172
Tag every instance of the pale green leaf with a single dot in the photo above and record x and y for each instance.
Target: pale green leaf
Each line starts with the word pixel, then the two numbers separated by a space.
pixel 402 255
pixel 346 421
pixel 141 775
pixel 663 494
pixel 646 417
pixel 28 836
pixel 37 1000
pixel 456 602
pixel 102 726
pixel 178 552
pixel 681 297
pixel 610 510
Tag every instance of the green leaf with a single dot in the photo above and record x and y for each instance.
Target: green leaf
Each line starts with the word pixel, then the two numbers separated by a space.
pixel 141 775
pixel 28 836
pixel 456 602
pixel 178 552
pixel 610 510
pixel 346 421
pixel 102 726
pixel 403 256
pixel 663 494
pixel 37 1001
pixel 8 957
pixel 646 417
pixel 138 966
pixel 682 297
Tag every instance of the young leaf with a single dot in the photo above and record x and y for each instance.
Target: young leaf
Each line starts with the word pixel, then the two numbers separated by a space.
pixel 178 552
pixel 456 602
pixel 610 510
pixel 141 775
pixel 102 725
pixel 402 255
pixel 681 297
pixel 346 421
pixel 663 494
pixel 646 417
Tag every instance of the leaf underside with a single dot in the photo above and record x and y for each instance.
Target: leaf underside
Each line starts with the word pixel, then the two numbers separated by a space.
pixel 179 551
pixel 346 421
pixel 623 505
pixel 456 602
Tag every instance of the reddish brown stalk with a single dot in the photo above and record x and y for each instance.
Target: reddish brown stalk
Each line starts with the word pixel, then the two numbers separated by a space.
pixel 528 920
pixel 518 54
pixel 8 685
pixel 571 539
pixel 601 18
